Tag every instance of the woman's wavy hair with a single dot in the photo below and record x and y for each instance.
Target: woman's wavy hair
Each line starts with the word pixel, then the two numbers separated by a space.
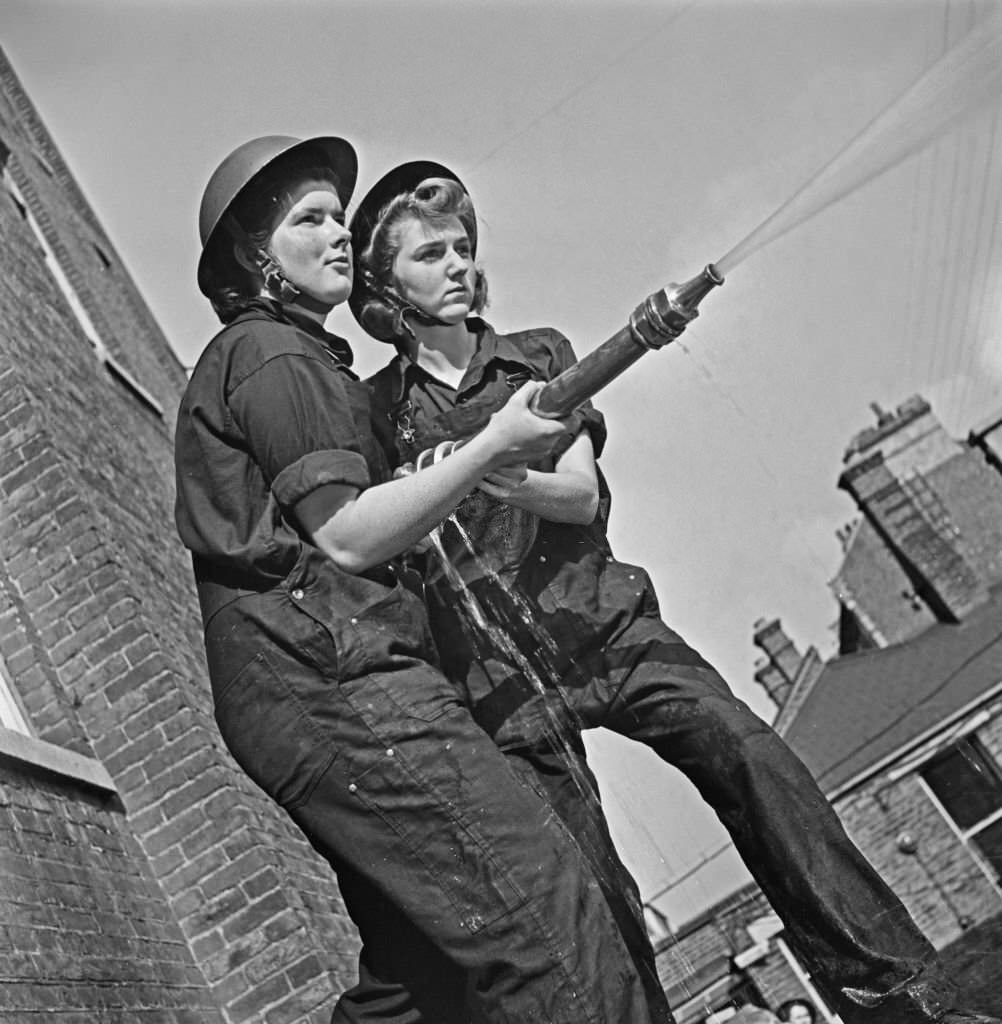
pixel 432 202
pixel 249 222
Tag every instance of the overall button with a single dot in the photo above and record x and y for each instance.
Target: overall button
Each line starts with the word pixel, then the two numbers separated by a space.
pixel 297 595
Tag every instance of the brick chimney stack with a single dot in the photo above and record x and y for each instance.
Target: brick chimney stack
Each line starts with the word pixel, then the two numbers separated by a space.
pixel 886 468
pixel 775 684
pixel 778 671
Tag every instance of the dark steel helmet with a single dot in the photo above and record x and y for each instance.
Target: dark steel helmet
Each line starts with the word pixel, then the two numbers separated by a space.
pixel 404 178
pixel 246 162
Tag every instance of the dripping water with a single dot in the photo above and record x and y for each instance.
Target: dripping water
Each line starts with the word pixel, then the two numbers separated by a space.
pixel 491 635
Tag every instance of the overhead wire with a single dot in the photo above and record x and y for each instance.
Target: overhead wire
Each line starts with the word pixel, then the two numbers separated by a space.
pixel 646 41
pixel 598 73
pixel 924 291
pixel 952 212
pixel 942 299
pixel 952 249
pixel 939 226
pixel 981 291
pixel 563 101
pixel 707 858
pixel 913 315
pixel 913 336
pixel 715 384
pixel 751 427
pixel 960 265
pixel 959 225
pixel 959 258
pixel 982 247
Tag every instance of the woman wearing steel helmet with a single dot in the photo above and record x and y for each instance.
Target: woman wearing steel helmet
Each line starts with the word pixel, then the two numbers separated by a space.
pixel 554 605
pixel 545 748
pixel 323 673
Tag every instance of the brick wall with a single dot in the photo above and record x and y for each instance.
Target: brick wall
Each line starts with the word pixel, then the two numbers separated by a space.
pixel 946 887
pixel 971 491
pixel 872 583
pixel 86 933
pixel 775 979
pixel 696 965
pixel 954 491
pixel 98 618
pixel 942 883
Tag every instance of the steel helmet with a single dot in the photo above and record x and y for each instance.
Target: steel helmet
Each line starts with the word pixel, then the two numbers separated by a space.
pixel 245 163
pixel 404 178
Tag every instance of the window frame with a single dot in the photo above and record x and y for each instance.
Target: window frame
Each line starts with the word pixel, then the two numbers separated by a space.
pixel 968 835
pixel 112 366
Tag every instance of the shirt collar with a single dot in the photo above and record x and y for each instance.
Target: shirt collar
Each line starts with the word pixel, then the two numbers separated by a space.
pixel 283 313
pixel 490 346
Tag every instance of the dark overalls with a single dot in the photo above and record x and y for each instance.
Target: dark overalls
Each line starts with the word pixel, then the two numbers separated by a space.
pixel 589 626
pixel 327 693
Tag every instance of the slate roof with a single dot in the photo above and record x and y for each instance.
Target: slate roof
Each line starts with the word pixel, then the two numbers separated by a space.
pixel 866 706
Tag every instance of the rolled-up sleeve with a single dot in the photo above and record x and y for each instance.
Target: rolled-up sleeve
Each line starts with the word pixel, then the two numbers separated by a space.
pixel 316 469
pixel 296 418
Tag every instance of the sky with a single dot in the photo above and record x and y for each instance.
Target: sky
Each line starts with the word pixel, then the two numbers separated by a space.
pixel 610 148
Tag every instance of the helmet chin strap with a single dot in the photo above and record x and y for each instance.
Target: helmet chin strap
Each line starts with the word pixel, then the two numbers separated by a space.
pixel 408 309
pixel 282 288
pixel 402 309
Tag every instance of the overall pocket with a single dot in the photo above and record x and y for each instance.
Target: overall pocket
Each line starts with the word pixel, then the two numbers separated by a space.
pixel 271 717
pixel 388 635
pixel 444 795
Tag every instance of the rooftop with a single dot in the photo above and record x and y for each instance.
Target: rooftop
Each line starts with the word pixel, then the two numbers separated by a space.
pixel 865 707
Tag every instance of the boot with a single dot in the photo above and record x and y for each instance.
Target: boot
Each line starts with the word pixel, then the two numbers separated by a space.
pixel 925 1000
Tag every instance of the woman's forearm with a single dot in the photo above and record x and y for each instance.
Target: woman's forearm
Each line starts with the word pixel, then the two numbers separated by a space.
pixel 558 497
pixel 359 529
pixel 567 495
pixel 379 523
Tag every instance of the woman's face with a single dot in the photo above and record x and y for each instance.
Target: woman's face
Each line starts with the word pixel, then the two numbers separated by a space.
pixel 311 244
pixel 434 268
pixel 800 1015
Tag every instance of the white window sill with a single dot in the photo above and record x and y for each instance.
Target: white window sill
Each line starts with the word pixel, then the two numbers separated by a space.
pixel 37 754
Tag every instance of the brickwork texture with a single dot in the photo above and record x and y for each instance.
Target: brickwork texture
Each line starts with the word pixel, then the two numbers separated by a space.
pixel 100 637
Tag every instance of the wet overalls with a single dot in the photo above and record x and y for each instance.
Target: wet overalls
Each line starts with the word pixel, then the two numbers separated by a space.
pixel 327 693
pixel 589 626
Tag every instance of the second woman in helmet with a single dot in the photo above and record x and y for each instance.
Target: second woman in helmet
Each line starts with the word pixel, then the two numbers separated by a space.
pixel 531 594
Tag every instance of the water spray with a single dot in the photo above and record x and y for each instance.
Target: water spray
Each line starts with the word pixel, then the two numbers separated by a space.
pixel 960 84
pixel 964 81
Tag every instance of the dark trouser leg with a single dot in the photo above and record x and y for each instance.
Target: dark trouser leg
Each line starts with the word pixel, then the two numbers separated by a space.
pixel 404 979
pixel 843 919
pixel 564 779
pixel 542 741
pixel 420 803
